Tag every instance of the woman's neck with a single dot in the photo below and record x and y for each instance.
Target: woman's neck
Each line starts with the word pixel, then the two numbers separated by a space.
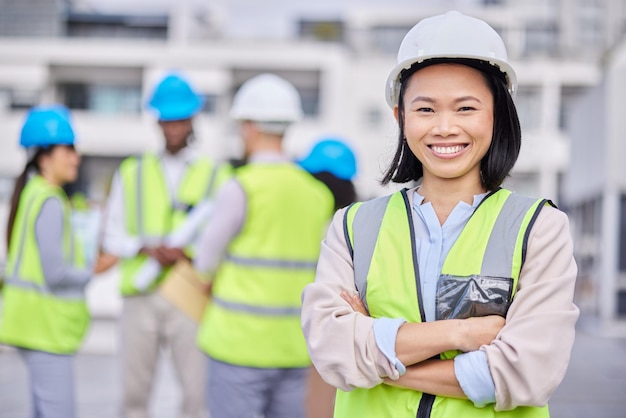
pixel 445 194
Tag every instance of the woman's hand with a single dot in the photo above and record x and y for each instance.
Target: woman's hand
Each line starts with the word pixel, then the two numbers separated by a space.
pixel 104 262
pixel 477 331
pixel 355 302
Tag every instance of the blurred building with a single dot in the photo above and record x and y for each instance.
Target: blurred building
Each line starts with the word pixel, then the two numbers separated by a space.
pixel 595 194
pixel 101 58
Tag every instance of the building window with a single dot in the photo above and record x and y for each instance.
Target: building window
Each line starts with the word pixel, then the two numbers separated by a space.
pixel 541 38
pixel 116 26
pixel 322 30
pixel 528 103
pixel 210 104
pixel 569 96
pixel 373 117
pixel 18 99
pixel 101 98
pixel 622 235
pixel 590 23
pixel 387 39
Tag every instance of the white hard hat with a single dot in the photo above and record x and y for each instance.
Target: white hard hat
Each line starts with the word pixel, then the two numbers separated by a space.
pixel 450 35
pixel 267 98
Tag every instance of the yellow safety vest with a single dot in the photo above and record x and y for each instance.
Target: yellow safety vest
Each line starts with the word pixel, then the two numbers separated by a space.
pixel 254 317
pixel 151 213
pixel 34 316
pixel 492 244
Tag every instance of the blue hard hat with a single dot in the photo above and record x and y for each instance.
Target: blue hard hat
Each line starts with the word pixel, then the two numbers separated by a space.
pixel 331 155
pixel 47 125
pixel 174 99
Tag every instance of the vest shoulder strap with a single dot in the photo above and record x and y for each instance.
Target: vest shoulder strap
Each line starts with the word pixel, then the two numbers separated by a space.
pixel 361 223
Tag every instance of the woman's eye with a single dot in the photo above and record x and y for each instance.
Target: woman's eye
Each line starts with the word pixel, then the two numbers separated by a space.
pixel 425 109
pixel 465 108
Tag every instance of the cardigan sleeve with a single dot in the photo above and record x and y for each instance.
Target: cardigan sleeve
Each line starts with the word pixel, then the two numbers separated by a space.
pixel 529 358
pixel 341 342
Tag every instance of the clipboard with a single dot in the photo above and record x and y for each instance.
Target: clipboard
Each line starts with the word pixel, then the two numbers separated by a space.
pixel 184 289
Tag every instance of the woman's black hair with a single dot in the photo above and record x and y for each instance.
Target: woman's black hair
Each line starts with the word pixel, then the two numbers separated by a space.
pixel 20 183
pixel 507 136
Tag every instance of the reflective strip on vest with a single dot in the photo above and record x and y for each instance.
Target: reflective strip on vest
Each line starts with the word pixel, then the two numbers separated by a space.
pixel 15 280
pixel 510 219
pixel 269 263
pixel 264 263
pixel 257 310
pixel 365 227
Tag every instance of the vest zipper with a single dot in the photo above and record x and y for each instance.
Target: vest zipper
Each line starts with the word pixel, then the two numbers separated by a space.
pixel 426 405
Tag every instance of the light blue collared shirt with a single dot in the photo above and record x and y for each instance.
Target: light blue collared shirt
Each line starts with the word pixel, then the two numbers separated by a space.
pixel 433 242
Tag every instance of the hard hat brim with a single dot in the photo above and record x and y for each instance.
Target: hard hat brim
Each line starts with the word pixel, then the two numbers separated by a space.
pixel 392 87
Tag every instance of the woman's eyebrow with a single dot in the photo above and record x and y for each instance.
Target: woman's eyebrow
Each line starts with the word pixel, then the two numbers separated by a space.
pixel 423 99
pixel 466 98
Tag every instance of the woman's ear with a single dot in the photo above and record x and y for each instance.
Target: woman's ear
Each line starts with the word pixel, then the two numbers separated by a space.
pixel 395 112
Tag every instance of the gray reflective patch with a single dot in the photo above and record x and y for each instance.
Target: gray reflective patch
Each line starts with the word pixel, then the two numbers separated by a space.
pixel 365 229
pixel 269 263
pixel 257 310
pixel 62 293
pixel 464 297
pixel 500 250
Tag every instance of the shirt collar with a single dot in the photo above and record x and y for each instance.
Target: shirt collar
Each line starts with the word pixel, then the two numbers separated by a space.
pixel 186 155
pixel 418 199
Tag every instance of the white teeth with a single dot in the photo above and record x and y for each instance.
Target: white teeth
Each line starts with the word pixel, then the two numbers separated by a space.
pixel 447 150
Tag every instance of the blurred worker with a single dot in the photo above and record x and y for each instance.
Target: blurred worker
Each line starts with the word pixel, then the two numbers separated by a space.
pixel 44 312
pixel 333 163
pixel 151 195
pixel 261 245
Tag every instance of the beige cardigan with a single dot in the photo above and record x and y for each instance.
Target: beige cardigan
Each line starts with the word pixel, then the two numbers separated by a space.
pixel 529 357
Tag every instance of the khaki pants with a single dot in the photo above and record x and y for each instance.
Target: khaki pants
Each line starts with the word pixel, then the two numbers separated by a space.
pixel 150 323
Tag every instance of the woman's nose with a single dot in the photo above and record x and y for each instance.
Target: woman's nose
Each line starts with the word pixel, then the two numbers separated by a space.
pixel 445 125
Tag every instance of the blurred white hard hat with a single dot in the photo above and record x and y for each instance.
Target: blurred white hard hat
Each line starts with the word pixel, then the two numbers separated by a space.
pixel 450 35
pixel 267 98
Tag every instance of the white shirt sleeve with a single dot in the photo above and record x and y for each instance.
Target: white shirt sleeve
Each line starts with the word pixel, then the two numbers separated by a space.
pixel 225 222
pixel 116 240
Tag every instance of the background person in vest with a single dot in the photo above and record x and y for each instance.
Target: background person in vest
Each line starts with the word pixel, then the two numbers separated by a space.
pixel 150 196
pixel 261 244
pixel 332 162
pixel 44 313
pixel 391 348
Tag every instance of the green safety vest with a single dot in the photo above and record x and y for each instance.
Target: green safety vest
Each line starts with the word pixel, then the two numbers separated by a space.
pixel 254 317
pixel 151 213
pixel 35 316
pixel 492 244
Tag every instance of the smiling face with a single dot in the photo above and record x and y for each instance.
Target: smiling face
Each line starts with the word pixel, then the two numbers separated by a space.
pixel 448 122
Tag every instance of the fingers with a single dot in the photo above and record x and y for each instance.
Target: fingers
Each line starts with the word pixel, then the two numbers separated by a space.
pixel 355 302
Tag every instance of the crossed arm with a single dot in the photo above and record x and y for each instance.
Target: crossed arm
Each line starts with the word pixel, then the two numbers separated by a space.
pixel 423 373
